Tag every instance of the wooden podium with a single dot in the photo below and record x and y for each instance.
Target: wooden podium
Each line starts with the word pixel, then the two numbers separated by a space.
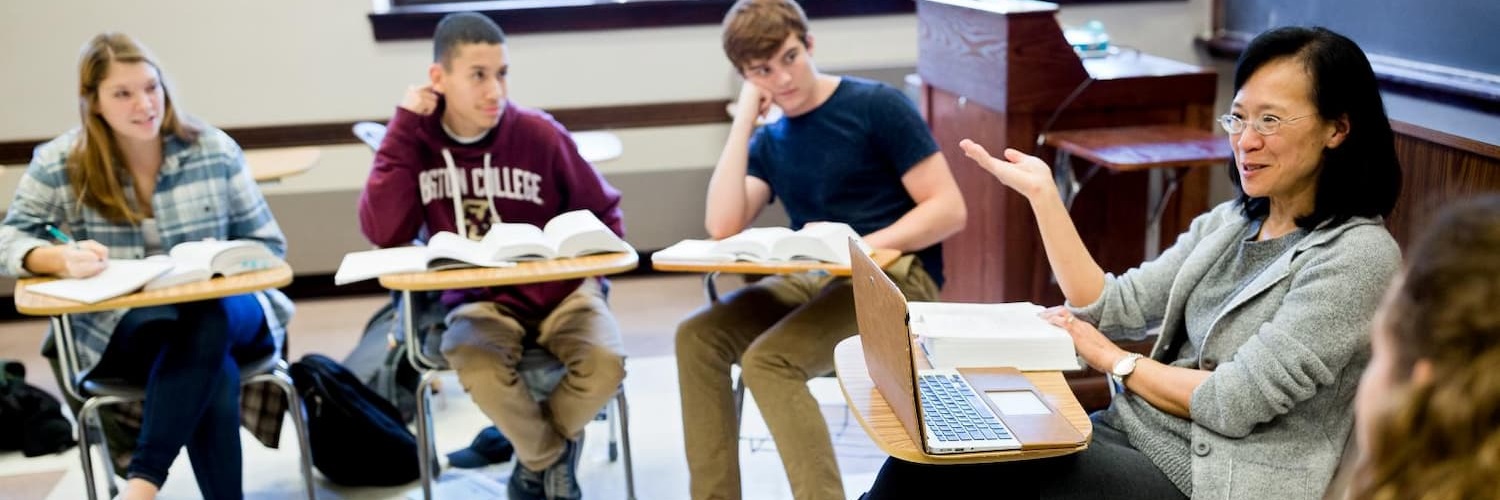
pixel 997 73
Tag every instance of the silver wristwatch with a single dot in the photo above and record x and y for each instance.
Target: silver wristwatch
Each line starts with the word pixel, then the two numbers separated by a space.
pixel 1123 368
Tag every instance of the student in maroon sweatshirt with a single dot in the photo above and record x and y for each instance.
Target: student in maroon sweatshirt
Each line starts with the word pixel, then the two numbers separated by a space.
pixel 460 135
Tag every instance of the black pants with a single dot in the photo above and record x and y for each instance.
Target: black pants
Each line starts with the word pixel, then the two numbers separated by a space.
pixel 1109 468
pixel 187 356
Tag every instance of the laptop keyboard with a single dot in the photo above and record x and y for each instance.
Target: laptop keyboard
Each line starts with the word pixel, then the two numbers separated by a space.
pixel 948 407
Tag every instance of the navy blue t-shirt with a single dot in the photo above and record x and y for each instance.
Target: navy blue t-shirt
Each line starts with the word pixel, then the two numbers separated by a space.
pixel 843 161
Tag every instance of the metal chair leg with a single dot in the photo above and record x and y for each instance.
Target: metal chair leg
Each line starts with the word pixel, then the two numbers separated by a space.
pixel 614 436
pixel 282 379
pixel 623 408
pixel 84 448
pixel 425 445
pixel 739 402
pixel 109 457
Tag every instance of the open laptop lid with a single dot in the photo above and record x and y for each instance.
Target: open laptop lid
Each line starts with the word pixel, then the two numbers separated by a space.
pixel 880 311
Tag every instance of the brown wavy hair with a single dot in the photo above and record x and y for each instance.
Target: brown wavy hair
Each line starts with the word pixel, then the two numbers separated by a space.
pixel 1440 439
pixel 755 29
pixel 95 165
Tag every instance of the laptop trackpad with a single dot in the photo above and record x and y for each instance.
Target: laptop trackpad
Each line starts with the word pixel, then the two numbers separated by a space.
pixel 1017 403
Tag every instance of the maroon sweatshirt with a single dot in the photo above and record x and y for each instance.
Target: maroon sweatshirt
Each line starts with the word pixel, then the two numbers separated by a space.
pixel 533 173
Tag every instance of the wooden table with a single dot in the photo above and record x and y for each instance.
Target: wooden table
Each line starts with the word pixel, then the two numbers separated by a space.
pixel 522 273
pixel 874 414
pixel 42 305
pixel 1166 152
pixel 883 257
pixel 274 164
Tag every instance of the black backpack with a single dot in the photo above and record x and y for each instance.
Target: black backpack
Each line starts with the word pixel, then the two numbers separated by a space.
pixel 31 420
pixel 379 359
pixel 357 438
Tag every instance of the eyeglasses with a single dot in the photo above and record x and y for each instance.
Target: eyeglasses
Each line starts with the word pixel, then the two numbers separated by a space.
pixel 1265 125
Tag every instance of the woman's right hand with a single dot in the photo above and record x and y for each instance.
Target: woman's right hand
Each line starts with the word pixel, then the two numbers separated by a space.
pixel 1028 175
pixel 86 259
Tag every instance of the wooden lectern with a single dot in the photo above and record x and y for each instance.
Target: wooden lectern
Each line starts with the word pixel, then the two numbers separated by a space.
pixel 998 72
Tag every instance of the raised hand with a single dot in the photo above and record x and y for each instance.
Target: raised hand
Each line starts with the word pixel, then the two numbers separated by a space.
pixel 420 99
pixel 1028 175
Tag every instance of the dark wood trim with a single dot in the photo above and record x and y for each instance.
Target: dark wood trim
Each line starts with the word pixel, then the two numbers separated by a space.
pixel 407 22
pixel 1445 139
pixel 398 20
pixel 664 114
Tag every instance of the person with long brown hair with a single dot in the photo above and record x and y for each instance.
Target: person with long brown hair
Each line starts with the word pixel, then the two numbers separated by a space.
pixel 136 178
pixel 1428 408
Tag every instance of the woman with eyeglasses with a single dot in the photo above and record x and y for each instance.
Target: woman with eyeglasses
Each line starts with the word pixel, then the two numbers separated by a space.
pixel 1263 305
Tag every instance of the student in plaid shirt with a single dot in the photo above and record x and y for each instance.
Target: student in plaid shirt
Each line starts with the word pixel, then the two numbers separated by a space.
pixel 134 180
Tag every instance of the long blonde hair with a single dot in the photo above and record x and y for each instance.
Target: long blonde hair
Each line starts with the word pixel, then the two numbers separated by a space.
pixel 1440 439
pixel 95 166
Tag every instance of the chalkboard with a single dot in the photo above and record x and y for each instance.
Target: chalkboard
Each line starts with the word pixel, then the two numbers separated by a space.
pixel 1458 34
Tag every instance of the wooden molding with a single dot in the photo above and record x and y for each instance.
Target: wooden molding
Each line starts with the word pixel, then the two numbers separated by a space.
pixel 665 114
pixel 1443 138
pixel 418 20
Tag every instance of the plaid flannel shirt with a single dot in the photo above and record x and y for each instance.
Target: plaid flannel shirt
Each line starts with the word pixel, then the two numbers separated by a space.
pixel 203 190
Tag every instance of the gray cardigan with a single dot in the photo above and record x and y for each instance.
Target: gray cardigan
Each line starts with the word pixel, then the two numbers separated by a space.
pixel 1286 352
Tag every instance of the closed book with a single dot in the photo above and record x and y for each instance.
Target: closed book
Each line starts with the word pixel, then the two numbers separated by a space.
pixel 964 335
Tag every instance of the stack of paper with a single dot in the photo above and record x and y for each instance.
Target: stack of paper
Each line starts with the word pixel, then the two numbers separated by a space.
pixel 958 335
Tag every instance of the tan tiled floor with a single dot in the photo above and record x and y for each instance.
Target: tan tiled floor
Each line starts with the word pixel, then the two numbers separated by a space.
pixel 647 308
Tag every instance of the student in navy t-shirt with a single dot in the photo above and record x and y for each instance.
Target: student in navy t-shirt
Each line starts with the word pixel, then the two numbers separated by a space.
pixel 848 150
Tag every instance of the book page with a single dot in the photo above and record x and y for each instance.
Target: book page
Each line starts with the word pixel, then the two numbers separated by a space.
pixel 966 320
pixel 224 258
pixel 752 244
pixel 370 264
pixel 580 232
pixel 821 241
pixel 691 251
pixel 179 274
pixel 447 245
pixel 120 277
pixel 516 241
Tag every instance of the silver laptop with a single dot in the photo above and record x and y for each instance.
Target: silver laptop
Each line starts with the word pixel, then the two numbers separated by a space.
pixel 953 418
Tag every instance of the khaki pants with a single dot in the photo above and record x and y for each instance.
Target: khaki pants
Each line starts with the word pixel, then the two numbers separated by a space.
pixel 484 342
pixel 782 331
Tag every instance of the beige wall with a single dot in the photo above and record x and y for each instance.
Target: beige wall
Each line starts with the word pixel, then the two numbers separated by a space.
pixel 274 62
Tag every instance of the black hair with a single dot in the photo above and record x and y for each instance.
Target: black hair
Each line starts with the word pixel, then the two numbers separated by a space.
pixel 1360 177
pixel 461 28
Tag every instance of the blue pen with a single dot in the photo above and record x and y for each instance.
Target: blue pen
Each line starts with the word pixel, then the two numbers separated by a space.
pixel 61 236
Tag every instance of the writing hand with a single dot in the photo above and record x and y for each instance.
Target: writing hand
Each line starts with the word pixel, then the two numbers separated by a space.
pixel 84 259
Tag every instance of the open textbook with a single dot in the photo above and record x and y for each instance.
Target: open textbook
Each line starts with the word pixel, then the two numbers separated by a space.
pixel 818 241
pixel 571 234
pixel 188 262
pixel 963 335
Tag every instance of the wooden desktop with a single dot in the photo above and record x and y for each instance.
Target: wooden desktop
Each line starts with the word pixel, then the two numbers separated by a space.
pixel 878 421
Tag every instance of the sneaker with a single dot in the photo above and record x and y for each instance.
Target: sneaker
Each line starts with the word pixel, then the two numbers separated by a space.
pixel 525 484
pixel 489 447
pixel 560 481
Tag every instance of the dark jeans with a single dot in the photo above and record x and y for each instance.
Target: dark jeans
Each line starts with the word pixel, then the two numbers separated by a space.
pixel 187 356
pixel 1109 468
